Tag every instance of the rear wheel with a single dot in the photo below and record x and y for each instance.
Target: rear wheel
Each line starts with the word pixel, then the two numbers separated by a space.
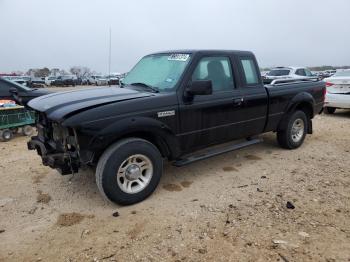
pixel 6 135
pixel 330 110
pixel 129 171
pixel 293 134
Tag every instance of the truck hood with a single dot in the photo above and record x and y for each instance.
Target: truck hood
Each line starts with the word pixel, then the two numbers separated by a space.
pixel 58 105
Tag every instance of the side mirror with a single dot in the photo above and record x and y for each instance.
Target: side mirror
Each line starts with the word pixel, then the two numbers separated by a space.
pixel 14 93
pixel 200 87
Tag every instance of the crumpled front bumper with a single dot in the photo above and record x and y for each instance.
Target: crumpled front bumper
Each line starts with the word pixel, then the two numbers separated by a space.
pixel 63 162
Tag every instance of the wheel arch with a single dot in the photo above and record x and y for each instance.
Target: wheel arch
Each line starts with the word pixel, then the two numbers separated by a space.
pixel 303 102
pixel 149 129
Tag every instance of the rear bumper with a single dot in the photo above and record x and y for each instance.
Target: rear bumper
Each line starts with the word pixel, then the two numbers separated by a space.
pixel 63 162
pixel 337 100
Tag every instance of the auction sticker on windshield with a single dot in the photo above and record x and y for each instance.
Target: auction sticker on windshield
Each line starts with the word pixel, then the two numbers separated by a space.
pixel 178 57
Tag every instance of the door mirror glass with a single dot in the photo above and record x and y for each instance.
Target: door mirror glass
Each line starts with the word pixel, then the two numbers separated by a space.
pixel 200 87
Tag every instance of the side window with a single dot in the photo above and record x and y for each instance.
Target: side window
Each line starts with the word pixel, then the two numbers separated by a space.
pixel 300 72
pixel 250 73
pixel 216 69
pixel 308 72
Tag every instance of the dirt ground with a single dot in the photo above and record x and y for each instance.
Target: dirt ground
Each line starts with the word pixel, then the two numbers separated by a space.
pixel 229 208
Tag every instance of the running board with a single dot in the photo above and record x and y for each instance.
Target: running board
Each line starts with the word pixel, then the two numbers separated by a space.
pixel 215 152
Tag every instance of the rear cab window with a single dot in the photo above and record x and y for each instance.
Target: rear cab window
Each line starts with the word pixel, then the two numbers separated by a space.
pixel 250 72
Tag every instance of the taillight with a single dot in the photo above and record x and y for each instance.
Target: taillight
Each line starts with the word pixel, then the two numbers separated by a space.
pixel 329 84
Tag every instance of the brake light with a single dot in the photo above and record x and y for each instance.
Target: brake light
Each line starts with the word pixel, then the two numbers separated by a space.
pixel 329 84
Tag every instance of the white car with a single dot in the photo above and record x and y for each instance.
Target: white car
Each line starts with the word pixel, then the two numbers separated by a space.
pixel 291 72
pixel 338 91
pixel 98 80
pixel 49 80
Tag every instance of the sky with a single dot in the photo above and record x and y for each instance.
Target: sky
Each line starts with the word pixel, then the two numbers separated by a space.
pixel 66 33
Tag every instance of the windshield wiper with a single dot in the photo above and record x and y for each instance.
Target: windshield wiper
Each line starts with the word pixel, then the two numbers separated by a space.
pixel 155 90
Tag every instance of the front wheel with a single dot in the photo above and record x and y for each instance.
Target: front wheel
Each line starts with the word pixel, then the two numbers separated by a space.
pixel 293 134
pixel 129 171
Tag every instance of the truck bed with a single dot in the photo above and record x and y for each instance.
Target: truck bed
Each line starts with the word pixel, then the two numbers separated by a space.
pixel 282 94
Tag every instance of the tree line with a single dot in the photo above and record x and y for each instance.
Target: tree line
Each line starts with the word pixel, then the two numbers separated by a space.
pixel 79 71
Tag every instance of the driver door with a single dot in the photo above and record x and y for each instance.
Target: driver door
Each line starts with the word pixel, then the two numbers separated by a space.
pixel 210 119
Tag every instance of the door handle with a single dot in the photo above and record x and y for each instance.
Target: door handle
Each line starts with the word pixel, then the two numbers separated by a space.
pixel 238 101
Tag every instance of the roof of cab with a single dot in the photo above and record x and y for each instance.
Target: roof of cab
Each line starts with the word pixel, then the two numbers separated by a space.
pixel 204 51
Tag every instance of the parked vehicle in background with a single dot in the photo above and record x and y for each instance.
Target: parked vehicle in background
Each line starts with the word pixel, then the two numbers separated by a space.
pixel 338 91
pixel 36 82
pixel 9 89
pixel 169 106
pixel 329 73
pixel 113 80
pixel 49 80
pixel 23 80
pixel 67 80
pixel 78 80
pixel 264 73
pixel 321 74
pixel 98 80
pixel 291 72
pixel 84 80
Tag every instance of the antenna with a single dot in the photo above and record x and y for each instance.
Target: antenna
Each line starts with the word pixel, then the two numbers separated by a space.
pixel 110 53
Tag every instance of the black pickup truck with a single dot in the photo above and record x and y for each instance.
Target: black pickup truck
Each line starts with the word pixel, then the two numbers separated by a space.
pixel 172 105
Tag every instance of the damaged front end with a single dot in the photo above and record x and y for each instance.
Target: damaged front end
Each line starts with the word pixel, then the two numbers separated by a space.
pixel 57 145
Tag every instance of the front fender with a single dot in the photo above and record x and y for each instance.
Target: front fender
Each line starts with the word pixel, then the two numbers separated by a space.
pixel 136 125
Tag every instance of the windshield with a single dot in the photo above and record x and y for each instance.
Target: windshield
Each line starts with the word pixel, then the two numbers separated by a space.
pixel 161 71
pixel 279 72
pixel 342 73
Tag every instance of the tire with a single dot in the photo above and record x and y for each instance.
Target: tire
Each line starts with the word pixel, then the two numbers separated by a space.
pixel 294 133
pixel 118 174
pixel 6 135
pixel 330 110
pixel 27 130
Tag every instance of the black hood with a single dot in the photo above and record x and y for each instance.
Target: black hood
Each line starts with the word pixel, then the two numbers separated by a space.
pixel 58 105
